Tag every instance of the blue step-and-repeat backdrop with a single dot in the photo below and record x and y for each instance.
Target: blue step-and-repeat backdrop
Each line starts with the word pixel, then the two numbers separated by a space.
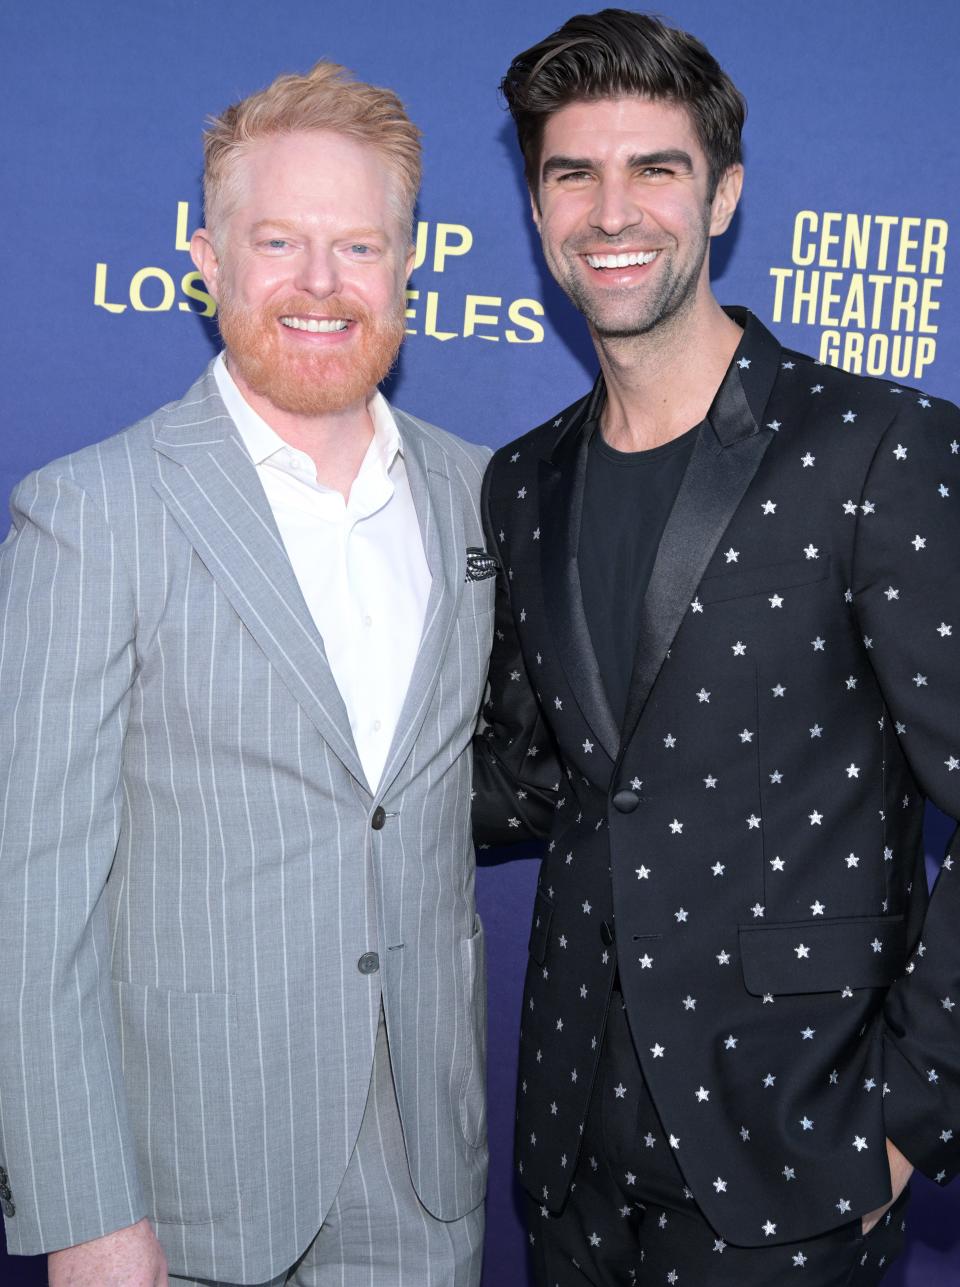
pixel 843 245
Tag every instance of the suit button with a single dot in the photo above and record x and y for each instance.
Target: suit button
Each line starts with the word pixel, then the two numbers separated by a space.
pixel 5 1191
pixel 626 801
pixel 8 1208
pixel 3 1176
pixel 369 963
pixel 378 818
pixel 606 933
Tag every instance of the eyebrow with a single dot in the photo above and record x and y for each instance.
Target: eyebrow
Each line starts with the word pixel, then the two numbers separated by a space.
pixel 279 225
pixel 290 226
pixel 639 161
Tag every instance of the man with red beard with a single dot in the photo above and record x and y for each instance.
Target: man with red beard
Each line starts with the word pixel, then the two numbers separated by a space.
pixel 246 641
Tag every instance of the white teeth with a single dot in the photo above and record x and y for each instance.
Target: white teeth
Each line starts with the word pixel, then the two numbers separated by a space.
pixel 622 260
pixel 311 324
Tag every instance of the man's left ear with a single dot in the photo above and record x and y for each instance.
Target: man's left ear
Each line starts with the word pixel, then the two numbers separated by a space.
pixel 725 199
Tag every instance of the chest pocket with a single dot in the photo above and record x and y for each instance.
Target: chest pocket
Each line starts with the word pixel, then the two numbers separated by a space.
pixel 478 596
pixel 743 582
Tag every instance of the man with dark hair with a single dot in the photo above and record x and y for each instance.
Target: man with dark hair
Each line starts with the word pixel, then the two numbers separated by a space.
pixel 723 684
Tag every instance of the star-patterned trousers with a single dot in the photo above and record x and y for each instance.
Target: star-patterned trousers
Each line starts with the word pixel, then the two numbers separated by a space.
pixel 630 1220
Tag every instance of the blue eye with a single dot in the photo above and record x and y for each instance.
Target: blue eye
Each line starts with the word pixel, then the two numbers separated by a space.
pixel 276 243
pixel 360 249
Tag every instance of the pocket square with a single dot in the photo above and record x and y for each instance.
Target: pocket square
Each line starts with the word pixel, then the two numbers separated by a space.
pixel 480 564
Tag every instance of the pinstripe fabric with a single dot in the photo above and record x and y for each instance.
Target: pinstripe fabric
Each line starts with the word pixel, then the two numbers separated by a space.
pixel 189 874
pixel 377 1232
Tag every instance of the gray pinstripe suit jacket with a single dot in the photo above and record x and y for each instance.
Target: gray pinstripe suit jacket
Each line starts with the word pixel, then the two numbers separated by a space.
pixel 188 870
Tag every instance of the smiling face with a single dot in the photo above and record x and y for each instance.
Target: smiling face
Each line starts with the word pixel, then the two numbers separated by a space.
pixel 308 270
pixel 623 212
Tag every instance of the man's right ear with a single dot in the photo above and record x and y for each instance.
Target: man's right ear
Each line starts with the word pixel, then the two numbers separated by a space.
pixel 205 258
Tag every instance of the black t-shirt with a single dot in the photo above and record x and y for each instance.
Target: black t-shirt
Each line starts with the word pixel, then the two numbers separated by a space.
pixel 627 499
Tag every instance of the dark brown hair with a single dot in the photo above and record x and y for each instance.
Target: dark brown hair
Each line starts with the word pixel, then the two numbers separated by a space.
pixel 615 53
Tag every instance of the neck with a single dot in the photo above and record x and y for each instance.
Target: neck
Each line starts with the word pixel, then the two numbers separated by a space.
pixel 336 441
pixel 662 383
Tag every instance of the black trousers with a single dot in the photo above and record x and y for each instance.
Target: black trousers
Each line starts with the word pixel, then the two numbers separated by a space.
pixel 631 1221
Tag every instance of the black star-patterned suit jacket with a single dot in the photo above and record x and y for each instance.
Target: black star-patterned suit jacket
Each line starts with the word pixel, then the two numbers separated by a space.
pixel 747 849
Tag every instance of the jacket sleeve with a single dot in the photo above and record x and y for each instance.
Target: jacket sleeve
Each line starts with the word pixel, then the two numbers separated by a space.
pixel 66 667
pixel 516 772
pixel 906 587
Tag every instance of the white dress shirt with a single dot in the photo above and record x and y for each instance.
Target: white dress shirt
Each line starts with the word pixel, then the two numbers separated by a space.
pixel 360 564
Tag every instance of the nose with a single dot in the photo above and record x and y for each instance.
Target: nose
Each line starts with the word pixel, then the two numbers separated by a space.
pixel 317 272
pixel 615 206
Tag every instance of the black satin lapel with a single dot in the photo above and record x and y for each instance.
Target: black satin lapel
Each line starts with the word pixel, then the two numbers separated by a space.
pixel 561 509
pixel 713 486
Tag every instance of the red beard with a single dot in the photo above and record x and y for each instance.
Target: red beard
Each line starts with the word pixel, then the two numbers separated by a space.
pixel 312 382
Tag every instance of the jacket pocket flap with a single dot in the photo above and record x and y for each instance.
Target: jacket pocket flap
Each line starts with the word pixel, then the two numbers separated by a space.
pixel 822 956
pixel 540 930
pixel 774 577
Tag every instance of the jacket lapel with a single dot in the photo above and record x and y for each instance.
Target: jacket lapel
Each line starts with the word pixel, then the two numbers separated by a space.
pixel 211 489
pixel 561 484
pixel 725 457
pixel 440 515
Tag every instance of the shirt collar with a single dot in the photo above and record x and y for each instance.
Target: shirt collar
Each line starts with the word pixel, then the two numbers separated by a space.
pixel 262 442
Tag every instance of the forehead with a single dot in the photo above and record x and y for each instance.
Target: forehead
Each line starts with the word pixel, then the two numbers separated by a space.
pixel 312 174
pixel 608 127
